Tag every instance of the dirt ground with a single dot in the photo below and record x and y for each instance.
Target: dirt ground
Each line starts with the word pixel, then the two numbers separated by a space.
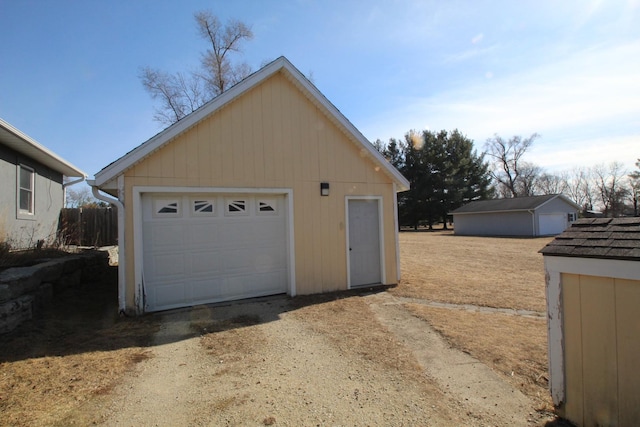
pixel 392 357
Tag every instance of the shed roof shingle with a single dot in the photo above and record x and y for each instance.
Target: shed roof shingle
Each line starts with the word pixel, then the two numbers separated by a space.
pixel 612 238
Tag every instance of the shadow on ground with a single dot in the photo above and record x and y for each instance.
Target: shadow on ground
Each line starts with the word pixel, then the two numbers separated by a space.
pixel 559 422
pixel 85 319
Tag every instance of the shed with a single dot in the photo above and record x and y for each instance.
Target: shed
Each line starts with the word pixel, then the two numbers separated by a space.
pixel 593 295
pixel 521 216
pixel 266 189
pixel 33 188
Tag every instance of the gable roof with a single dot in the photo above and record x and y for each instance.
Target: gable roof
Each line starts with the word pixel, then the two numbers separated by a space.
pixel 613 238
pixel 29 147
pixel 282 65
pixel 511 205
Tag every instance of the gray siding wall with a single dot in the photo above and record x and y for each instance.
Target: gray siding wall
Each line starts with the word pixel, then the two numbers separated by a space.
pixel 556 206
pixel 22 232
pixel 494 224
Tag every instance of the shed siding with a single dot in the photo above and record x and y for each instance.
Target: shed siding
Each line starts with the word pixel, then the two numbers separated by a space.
pixel 628 331
pixel 492 224
pixel 599 364
pixel 274 137
pixel 572 314
pixel 601 327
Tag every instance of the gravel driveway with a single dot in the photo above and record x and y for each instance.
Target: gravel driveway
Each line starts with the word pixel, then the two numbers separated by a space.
pixel 354 361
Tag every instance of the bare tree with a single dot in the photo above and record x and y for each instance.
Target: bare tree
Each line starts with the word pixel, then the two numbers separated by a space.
pixel 80 197
pixel 578 187
pixel 611 188
pixel 507 164
pixel 219 72
pixel 634 183
pixel 549 183
pixel 528 181
pixel 181 94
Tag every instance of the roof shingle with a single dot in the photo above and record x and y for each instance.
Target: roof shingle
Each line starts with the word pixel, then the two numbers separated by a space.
pixel 506 205
pixel 612 238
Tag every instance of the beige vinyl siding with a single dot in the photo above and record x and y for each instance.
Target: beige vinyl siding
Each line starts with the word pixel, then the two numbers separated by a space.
pixel 628 345
pixel 572 314
pixel 274 137
pixel 601 330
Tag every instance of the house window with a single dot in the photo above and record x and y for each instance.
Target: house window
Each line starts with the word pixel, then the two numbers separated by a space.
pixel 26 179
pixel 572 216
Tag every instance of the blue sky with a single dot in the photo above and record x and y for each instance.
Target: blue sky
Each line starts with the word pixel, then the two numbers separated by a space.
pixel 568 70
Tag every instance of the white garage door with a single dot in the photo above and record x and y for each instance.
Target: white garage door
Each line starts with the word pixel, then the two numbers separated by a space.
pixel 552 224
pixel 209 247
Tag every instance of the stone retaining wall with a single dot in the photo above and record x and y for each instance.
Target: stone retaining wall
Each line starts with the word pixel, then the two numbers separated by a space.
pixel 24 291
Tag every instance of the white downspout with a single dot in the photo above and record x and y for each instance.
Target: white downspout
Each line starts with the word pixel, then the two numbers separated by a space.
pixel 533 222
pixel 396 230
pixel 121 255
pixel 69 184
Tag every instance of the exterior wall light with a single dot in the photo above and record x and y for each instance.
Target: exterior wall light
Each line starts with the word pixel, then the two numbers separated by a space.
pixel 324 188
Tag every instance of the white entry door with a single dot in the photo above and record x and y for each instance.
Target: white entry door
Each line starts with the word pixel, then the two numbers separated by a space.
pixel 202 248
pixel 364 242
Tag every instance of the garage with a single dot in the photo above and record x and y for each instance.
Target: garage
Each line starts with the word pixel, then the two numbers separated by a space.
pixel 266 189
pixel 203 248
pixel 545 215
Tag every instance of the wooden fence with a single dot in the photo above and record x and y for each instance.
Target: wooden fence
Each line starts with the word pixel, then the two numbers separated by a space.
pixel 88 226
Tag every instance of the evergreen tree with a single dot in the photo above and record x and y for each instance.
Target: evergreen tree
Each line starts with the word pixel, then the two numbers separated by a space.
pixel 444 172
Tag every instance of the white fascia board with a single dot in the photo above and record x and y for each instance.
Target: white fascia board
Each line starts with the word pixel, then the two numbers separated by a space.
pixel 601 267
pixel 24 144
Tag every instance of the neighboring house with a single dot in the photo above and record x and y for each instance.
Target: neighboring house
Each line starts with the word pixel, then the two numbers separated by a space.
pixel 32 188
pixel 267 189
pixel 593 294
pixel 521 216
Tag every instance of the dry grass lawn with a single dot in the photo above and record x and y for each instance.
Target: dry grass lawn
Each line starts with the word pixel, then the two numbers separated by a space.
pixel 76 352
pixel 72 354
pixel 487 271
pixel 490 272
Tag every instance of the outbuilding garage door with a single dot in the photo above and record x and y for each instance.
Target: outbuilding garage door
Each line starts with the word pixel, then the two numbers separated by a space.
pixel 552 224
pixel 210 247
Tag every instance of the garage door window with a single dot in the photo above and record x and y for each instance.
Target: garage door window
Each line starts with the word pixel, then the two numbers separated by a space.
pixel 203 207
pixel 267 207
pixel 236 207
pixel 166 208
